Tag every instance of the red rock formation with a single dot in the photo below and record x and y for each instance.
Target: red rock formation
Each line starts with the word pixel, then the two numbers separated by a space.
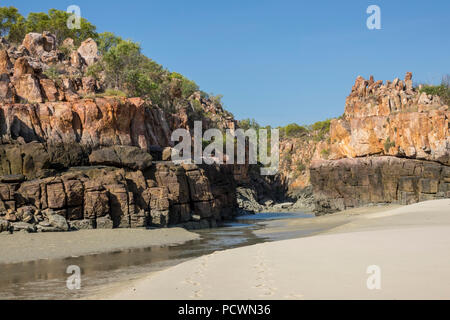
pixel 393 120
pixel 48 131
pixel 89 198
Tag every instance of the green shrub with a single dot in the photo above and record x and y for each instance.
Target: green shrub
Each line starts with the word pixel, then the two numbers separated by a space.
pixel 12 24
pixel 123 67
pixel 94 70
pixel 323 126
pixel 388 144
pixel 53 73
pixel 188 87
pixel 55 21
pixel 66 50
pixel 106 41
pixel 443 91
pixel 294 130
pixel 246 124
pixel 301 167
pixel 321 129
pixel 113 93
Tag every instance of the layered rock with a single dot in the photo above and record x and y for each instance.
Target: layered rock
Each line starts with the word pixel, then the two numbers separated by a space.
pixel 391 119
pixel 108 197
pixel 392 145
pixel 349 183
pixel 68 154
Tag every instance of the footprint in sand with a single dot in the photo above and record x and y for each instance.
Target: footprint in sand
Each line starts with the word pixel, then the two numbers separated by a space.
pixel 262 271
pixel 196 279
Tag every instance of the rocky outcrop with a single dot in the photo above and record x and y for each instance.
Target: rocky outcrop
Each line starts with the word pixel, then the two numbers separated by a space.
pixel 391 119
pixel 71 158
pixel 108 197
pixel 349 183
pixel 392 145
pixel 88 122
pixel 122 156
pixel 89 51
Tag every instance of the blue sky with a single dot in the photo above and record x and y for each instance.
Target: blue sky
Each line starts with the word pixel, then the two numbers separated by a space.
pixel 278 61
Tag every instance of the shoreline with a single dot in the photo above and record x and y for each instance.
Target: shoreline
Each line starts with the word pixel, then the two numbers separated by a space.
pixel 330 265
pixel 317 224
pixel 24 247
pixel 27 247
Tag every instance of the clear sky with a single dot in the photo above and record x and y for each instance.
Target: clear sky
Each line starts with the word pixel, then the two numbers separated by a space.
pixel 278 61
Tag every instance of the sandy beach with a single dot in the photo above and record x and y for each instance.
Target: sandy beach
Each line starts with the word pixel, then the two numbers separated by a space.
pixel 409 246
pixel 22 247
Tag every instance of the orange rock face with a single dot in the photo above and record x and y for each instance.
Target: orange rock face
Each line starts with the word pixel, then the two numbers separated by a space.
pixel 93 123
pixel 392 119
pixel 391 145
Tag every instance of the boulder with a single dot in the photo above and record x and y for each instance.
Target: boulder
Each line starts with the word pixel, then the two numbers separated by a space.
pixel 40 228
pixel 82 224
pixel 49 89
pixel 22 67
pixel 76 60
pixel 122 156
pixel 88 50
pixel 4 225
pixel 246 200
pixel 167 154
pixel 28 89
pixel 57 221
pixel 23 226
pixel 26 214
pixel 11 216
pixel 37 43
pixel 104 223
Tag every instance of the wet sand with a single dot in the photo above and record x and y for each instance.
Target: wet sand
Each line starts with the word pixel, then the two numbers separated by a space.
pixel 22 247
pixel 410 245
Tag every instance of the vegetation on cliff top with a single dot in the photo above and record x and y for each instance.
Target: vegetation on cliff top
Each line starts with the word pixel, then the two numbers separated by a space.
pixel 443 90
pixel 317 131
pixel 14 27
pixel 123 67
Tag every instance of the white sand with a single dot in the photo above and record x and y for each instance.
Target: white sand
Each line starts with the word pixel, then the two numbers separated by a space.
pixel 21 247
pixel 411 245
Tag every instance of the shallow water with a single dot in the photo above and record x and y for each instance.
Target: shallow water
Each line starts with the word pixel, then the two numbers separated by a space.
pixel 46 279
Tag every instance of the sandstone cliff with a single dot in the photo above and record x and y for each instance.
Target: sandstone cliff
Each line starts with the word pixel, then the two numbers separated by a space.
pixel 70 153
pixel 391 145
